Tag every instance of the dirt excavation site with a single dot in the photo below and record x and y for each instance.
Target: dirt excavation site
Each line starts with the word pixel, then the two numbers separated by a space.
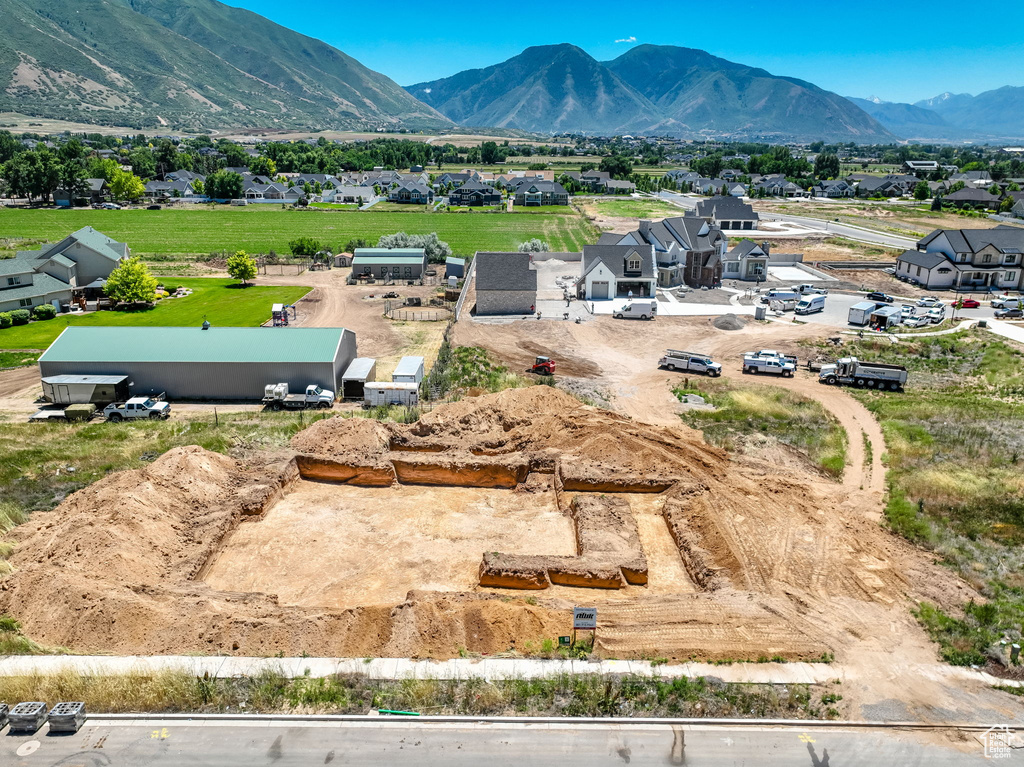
pixel 475 529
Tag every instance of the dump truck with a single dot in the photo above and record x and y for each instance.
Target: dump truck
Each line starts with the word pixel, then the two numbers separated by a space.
pixel 276 397
pixel 871 375
pixel 137 408
pixel 690 362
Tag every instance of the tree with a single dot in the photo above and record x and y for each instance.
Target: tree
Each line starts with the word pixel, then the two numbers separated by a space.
pixel 534 246
pixel 131 283
pixel 490 153
pixel 241 266
pixel 263 166
pixel 1007 205
pixel 957 187
pixel 305 246
pixel 126 186
pixel 995 189
pixel 921 191
pixel 937 204
pixel 826 165
pixel 224 185
pixel 616 166
pixel 105 169
pixel 142 162
pixel 198 186
pixel 1013 188
pixel 72 180
pixel 355 242
pixel 437 250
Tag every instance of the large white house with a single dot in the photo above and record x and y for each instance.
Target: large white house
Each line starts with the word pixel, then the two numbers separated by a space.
pixel 967 258
pixel 611 271
pixel 51 274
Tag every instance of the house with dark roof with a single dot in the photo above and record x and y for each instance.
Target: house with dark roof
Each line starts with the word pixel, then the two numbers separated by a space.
pixel 474 194
pixel 687 249
pixel 967 258
pixel 53 273
pixel 616 271
pixel 727 213
pixel 832 189
pixel 975 178
pixel 1018 209
pixel 919 167
pixel 94 191
pixel 411 192
pixel 531 192
pixel 747 261
pixel 969 197
pixel 778 186
pixel 505 283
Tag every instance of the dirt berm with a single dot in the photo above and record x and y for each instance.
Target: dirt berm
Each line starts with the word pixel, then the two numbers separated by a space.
pixel 778 560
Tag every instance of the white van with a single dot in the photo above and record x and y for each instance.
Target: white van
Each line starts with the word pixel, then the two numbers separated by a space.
pixel 643 310
pixel 810 305
pixel 780 295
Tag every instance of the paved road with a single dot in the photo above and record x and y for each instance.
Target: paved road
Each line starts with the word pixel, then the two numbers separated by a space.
pixel 303 743
pixel 832 227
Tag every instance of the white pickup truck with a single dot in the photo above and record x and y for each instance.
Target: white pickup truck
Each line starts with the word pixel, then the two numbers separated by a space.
pixel 771 354
pixel 769 361
pixel 136 408
pixel 276 396
pixel 690 362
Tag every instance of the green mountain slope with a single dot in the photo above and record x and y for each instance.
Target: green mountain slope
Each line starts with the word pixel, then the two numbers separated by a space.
pixel 549 88
pixel 186 64
pixel 713 95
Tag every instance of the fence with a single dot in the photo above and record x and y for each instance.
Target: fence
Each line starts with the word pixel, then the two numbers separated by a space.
pixel 416 314
pixel 284 267
pixel 467 281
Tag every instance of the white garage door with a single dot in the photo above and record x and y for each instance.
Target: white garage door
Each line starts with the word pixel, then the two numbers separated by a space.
pixel 600 290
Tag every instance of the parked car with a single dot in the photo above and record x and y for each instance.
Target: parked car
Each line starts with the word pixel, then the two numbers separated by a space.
pixel 889 270
pixel 929 301
pixel 936 314
pixel 154 207
pixel 967 303
pixel 1009 314
pixel 878 295
pixel 1007 302
pixel 916 321
pixel 110 206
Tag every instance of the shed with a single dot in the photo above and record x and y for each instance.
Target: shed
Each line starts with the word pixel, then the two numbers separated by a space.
pixel 455 267
pixel 211 364
pixel 409 370
pixel 390 263
pixel 343 259
pixel 360 371
pixel 390 393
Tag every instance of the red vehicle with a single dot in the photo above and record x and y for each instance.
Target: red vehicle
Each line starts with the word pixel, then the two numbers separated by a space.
pixel 966 303
pixel 543 366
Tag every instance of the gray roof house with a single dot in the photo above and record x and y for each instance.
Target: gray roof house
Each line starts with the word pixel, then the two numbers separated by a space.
pixel 531 191
pixel 969 197
pixel 611 271
pixel 52 273
pixel 727 213
pixel 967 258
pixel 506 283
pixel 687 249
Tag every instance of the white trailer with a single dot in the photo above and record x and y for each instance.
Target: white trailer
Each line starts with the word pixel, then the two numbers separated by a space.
pixel 860 313
pixel 82 390
pixel 390 393
pixel 871 375
pixel 409 370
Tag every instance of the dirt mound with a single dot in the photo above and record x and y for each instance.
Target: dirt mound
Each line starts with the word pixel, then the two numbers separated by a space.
pixel 729 322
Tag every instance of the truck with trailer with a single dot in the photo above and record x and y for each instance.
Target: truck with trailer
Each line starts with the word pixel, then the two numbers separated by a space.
pixel 277 396
pixel 82 390
pixel 138 408
pixel 780 295
pixel 70 413
pixel 810 304
pixel 871 375
pixel 690 362
pixel 638 310
pixel 772 354
pixel 780 366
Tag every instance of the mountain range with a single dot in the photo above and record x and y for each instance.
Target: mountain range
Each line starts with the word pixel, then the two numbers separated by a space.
pixel 649 88
pixel 992 115
pixel 187 64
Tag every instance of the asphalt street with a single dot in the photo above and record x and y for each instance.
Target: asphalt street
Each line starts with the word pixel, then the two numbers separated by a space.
pixel 304 742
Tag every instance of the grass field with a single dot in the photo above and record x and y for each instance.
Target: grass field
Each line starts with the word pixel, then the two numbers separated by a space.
pixel 631 208
pixel 217 300
pixel 259 229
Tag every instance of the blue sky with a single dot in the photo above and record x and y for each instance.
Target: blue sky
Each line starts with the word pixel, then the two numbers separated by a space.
pixel 898 51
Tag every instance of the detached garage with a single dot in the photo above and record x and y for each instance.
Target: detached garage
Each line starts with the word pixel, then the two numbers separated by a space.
pixel 210 364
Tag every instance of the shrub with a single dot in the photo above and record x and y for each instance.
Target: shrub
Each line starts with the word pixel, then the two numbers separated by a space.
pixel 305 246
pixel 5 320
pixel 44 312
pixel 20 316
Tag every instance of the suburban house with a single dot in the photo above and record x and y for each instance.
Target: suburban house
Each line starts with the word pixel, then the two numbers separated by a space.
pixel 747 261
pixel 95 191
pixel 727 213
pixel 833 189
pixel 349 194
pixel 778 186
pixel 611 271
pixel 176 188
pixel 411 192
pixel 53 273
pixel 506 283
pixel 274 192
pixel 474 194
pixel 687 249
pixel 966 258
pixel 1018 209
pixel 530 192
pixel 975 178
pixel 920 167
pixel 389 263
pixel 969 197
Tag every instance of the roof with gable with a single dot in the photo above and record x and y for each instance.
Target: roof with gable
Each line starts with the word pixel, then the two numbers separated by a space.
pixel 728 208
pixel 924 260
pixel 505 271
pixel 614 258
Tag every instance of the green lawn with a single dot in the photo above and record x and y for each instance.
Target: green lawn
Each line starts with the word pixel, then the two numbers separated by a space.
pixel 217 300
pixel 635 208
pixel 260 228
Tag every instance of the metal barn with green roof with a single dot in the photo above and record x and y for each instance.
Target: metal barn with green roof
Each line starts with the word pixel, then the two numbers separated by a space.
pixel 212 364
pixel 390 263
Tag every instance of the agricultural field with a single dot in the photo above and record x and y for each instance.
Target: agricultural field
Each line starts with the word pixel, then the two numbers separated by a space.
pixel 629 207
pixel 259 229
pixel 220 301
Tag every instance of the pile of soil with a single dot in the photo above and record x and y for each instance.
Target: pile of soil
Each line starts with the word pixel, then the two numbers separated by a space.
pixel 729 322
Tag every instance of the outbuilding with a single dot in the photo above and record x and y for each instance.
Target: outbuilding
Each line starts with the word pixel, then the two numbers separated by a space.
pixel 455 267
pixel 506 283
pixel 204 364
pixel 408 370
pixel 361 371
pixel 389 263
